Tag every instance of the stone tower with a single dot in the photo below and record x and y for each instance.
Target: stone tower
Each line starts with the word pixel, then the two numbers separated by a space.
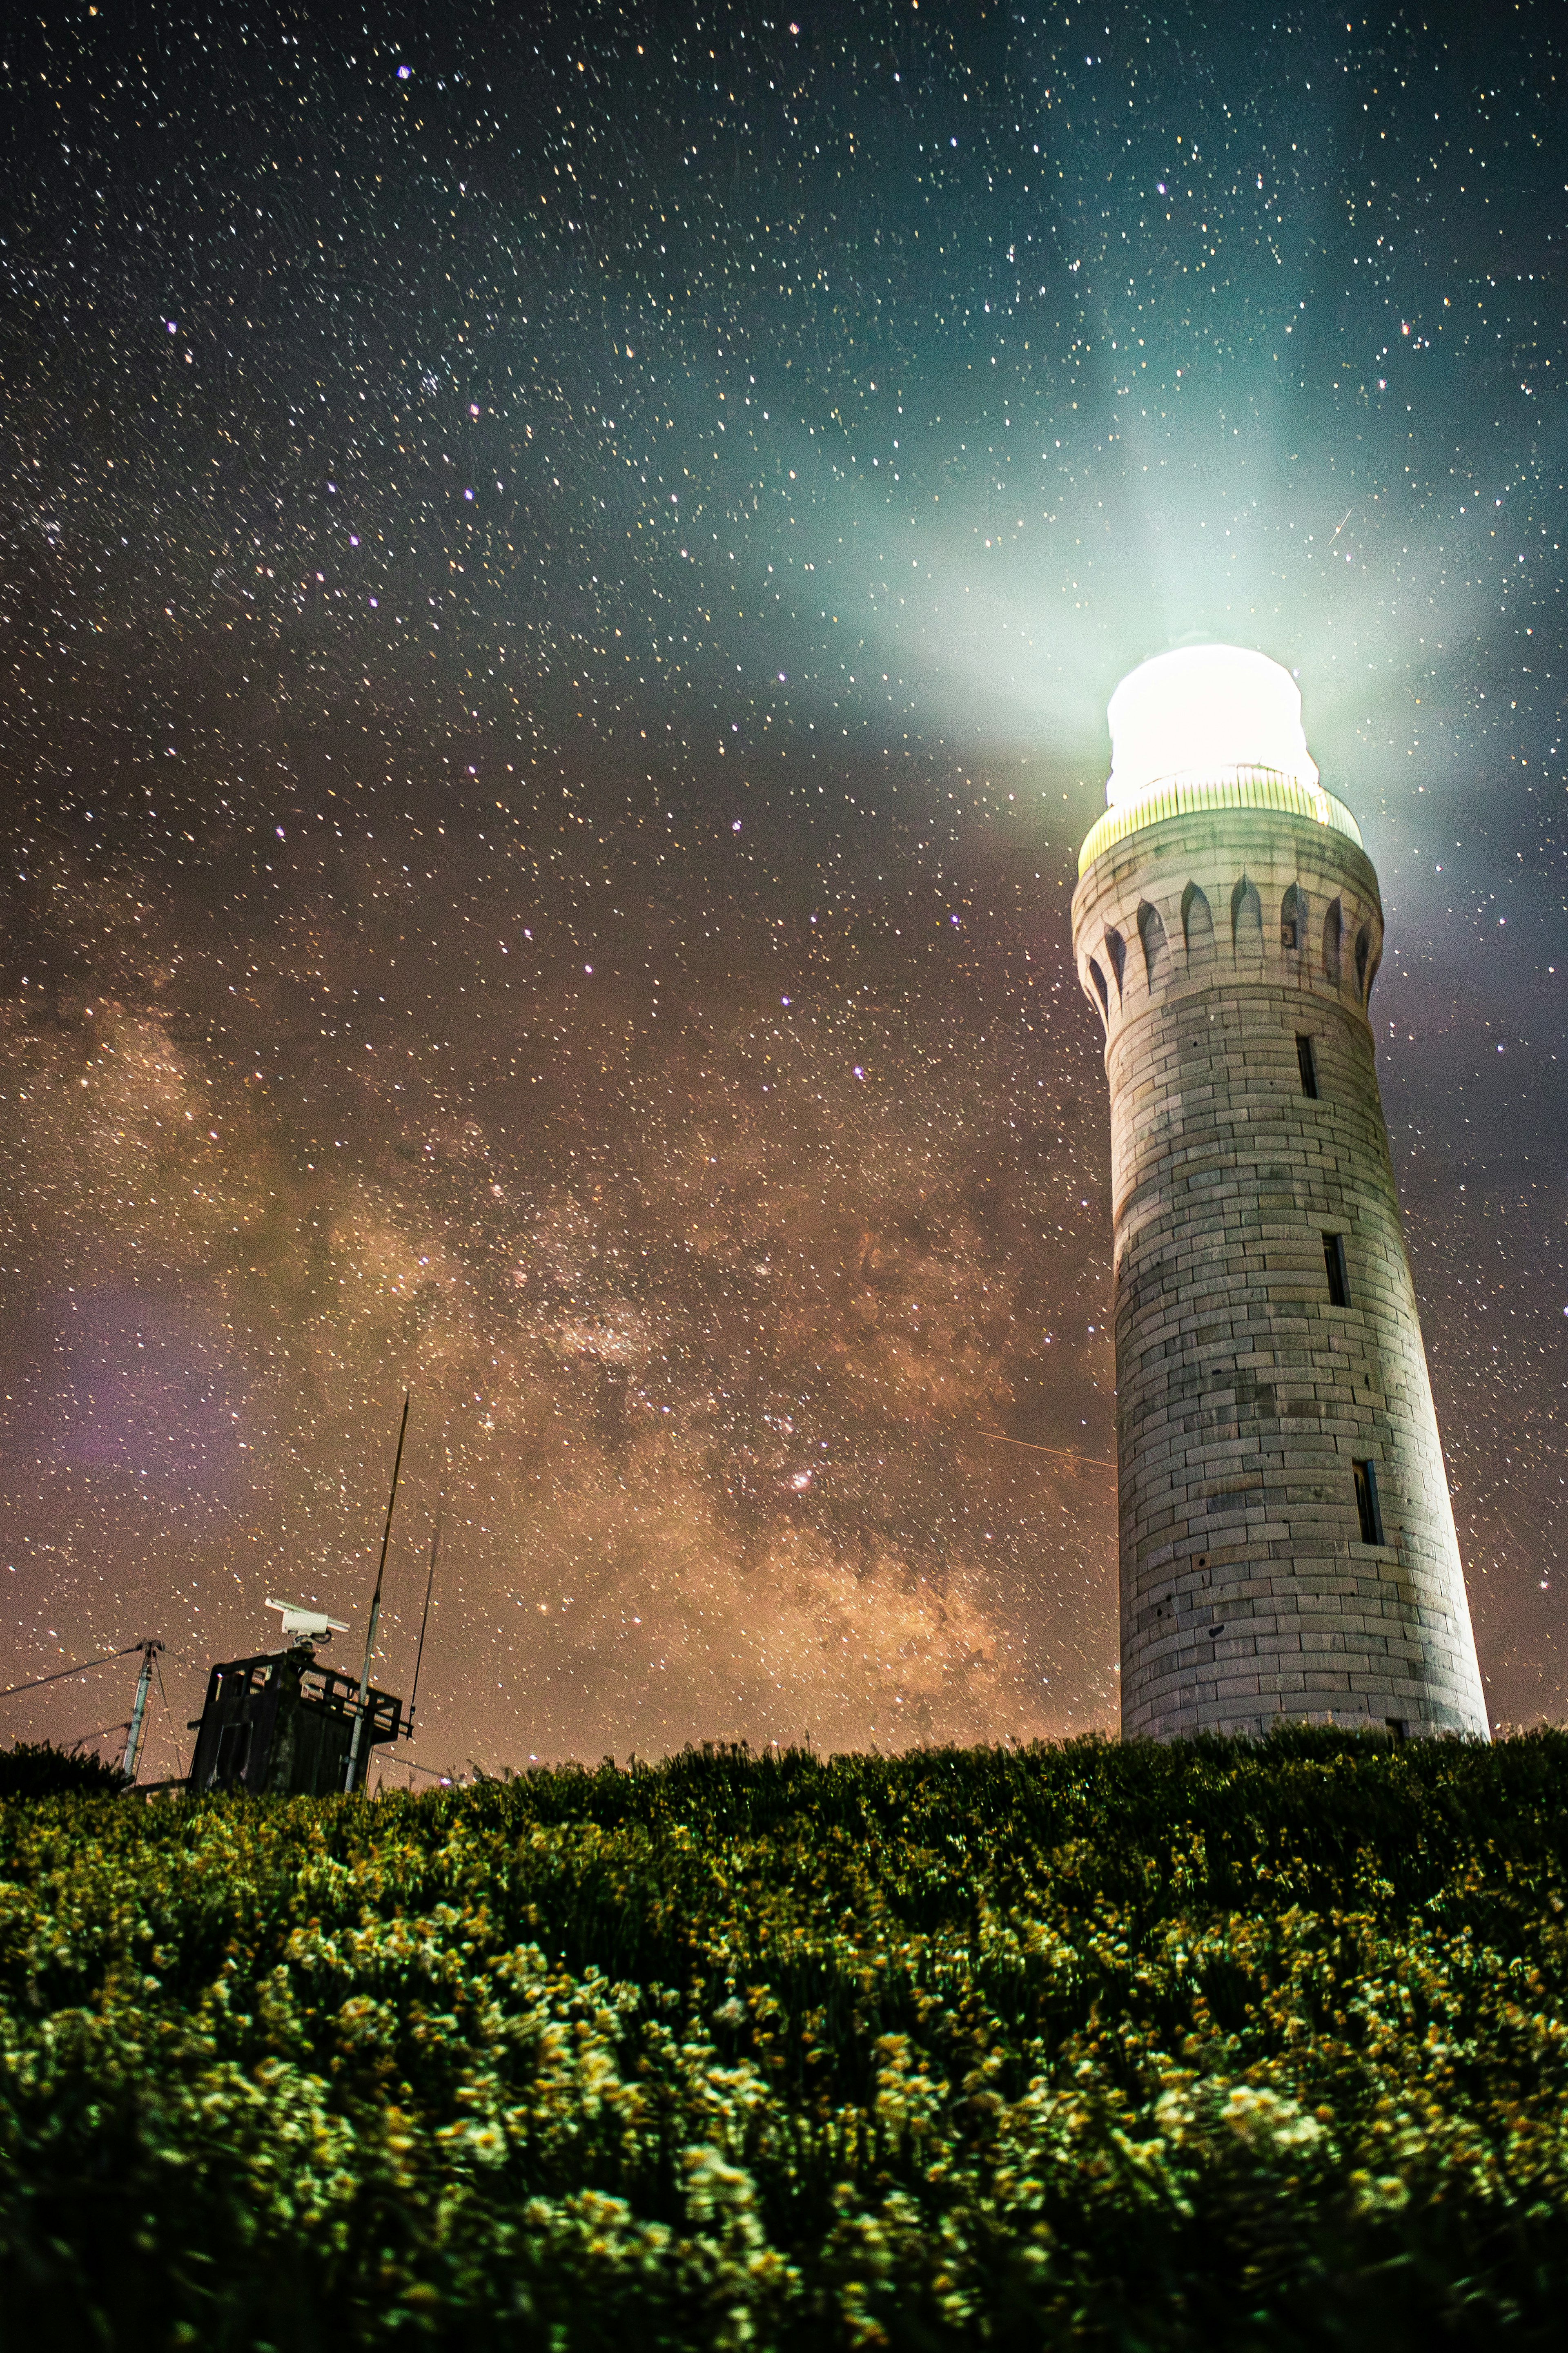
pixel 1286 1542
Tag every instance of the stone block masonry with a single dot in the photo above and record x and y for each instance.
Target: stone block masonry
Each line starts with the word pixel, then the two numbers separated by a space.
pixel 1288 1548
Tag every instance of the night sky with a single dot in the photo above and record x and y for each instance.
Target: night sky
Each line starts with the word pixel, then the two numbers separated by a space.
pixel 561 573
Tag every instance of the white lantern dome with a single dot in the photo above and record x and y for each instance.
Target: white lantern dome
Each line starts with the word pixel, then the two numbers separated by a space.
pixel 1204 714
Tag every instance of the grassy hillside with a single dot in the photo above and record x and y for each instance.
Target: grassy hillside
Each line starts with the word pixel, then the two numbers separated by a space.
pixel 1211 2046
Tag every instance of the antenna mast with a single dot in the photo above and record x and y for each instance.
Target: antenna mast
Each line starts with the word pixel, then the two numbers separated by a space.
pixel 418 1655
pixel 376 1607
pixel 138 1724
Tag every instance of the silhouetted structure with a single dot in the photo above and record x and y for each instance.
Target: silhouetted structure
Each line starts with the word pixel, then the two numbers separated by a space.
pixel 280 1725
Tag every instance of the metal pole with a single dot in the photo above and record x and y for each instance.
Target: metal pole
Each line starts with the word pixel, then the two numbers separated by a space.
pixel 138 1724
pixel 419 1655
pixel 350 1775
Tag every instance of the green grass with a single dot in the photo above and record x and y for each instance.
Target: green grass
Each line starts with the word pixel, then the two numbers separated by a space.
pixel 1212 2046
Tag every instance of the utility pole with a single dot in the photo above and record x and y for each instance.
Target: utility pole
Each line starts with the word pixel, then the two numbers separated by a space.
pixel 138 1724
pixel 353 1770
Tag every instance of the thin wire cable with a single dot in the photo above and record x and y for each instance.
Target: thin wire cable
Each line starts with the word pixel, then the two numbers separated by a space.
pixel 39 1681
pixel 1095 1461
pixel 429 1582
pixel 173 1739
pixel 101 1733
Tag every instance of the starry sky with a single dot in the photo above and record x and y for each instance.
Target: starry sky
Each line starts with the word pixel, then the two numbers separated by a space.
pixel 561 569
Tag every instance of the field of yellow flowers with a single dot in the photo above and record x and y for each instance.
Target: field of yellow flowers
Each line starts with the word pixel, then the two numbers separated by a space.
pixel 1210 2046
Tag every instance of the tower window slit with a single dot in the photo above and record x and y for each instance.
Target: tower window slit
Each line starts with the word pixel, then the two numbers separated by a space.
pixel 1306 1057
pixel 1334 934
pixel 1339 1274
pixel 1366 1502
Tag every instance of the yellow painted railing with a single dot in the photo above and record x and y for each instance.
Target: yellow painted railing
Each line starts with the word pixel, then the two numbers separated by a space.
pixel 1237 788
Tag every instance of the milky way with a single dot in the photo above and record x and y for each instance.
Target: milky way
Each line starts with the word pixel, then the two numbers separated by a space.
pixel 562 571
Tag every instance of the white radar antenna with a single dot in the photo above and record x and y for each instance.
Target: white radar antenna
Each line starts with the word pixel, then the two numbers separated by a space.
pixel 304 1624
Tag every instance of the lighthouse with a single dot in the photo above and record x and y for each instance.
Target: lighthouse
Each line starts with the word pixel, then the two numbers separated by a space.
pixel 1286 1542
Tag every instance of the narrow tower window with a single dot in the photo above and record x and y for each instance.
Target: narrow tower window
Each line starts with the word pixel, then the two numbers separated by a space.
pixel 1293 920
pixel 1338 1276
pixel 1246 923
pixel 1197 927
pixel 1156 954
pixel 1333 935
pixel 1366 1502
pixel 1116 949
pixel 1307 1061
pixel 1101 990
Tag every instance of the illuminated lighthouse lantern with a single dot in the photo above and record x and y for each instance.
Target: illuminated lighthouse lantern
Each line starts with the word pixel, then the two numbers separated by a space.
pixel 1288 1549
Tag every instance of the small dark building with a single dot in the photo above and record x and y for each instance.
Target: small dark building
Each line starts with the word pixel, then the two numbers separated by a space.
pixel 280 1725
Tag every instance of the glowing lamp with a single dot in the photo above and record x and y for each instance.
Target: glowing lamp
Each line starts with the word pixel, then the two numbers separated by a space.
pixel 1204 714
